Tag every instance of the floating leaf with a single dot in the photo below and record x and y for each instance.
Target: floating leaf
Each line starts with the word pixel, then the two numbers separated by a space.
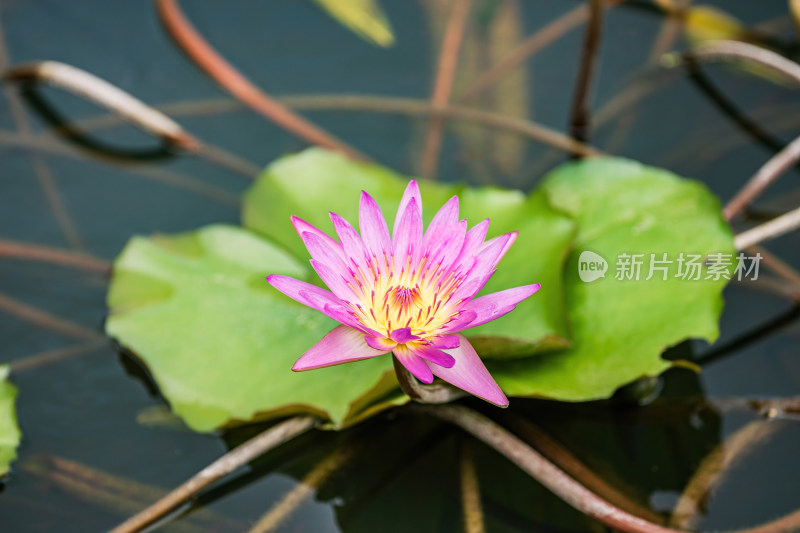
pixel 707 23
pixel 9 431
pixel 794 9
pixel 364 17
pixel 315 182
pixel 620 328
pixel 218 340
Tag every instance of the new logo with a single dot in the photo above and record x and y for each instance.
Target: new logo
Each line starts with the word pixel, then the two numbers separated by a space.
pixel 591 266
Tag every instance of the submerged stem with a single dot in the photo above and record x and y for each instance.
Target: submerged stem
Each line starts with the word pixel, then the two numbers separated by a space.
pixel 561 484
pixel 579 120
pixel 234 459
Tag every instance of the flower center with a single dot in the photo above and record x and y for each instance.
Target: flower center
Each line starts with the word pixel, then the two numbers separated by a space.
pixel 392 294
pixel 403 301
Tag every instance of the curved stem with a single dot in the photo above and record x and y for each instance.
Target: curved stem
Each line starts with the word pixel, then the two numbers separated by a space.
pixel 101 92
pixel 410 106
pixel 190 41
pixel 234 459
pixel 562 485
pixel 378 104
pixel 129 108
pixel 712 469
pixel 740 51
pixel 439 393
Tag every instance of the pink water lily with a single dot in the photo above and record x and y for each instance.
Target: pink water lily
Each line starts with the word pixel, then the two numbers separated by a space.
pixel 410 293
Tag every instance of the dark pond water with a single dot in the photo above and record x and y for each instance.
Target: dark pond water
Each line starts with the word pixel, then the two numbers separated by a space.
pixel 87 416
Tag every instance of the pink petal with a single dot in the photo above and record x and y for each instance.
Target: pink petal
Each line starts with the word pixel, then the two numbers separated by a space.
pixel 342 345
pixel 496 248
pixel 413 363
pixel 433 355
pixel 446 216
pixel 408 236
pixel 473 240
pixel 381 343
pixel 411 193
pixel 374 231
pixel 485 262
pixel 402 336
pixel 300 290
pixel 495 305
pixel 316 298
pixel 301 226
pixel 462 321
pixel 469 374
pixel 445 342
pixel 334 281
pixel 338 311
pixel 444 247
pixel 322 252
pixel 351 241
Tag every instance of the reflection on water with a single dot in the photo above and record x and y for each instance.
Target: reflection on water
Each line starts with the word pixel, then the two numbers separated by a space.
pixel 95 451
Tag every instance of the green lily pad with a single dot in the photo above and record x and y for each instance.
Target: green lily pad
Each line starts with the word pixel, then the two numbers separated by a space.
pixel 219 341
pixel 9 431
pixel 315 182
pixel 620 327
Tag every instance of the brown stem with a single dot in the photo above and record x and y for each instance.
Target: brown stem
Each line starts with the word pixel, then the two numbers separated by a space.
pixel 40 168
pixel 102 93
pixel 740 51
pixel 670 30
pixel 769 230
pixel 773 286
pixel 130 109
pixel 113 493
pixel 163 176
pixel 50 356
pixel 776 265
pixel 560 483
pixel 712 469
pixel 579 121
pixel 411 106
pixel 443 85
pixel 56 256
pixel 231 461
pixel 564 459
pixel 766 175
pixel 208 59
pixel 529 48
pixel 46 320
pixel 379 104
pixel 525 50
pixel 310 483
pixel 471 508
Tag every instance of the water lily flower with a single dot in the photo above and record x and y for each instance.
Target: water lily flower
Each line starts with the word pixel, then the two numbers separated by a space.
pixel 410 293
